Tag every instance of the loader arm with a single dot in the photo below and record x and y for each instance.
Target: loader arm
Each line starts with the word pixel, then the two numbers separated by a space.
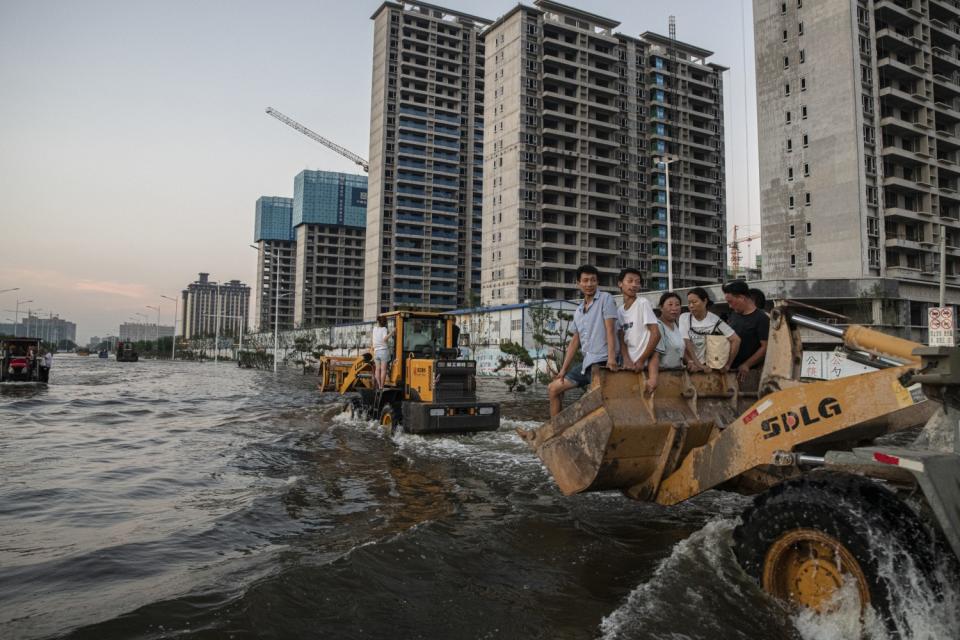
pixel 360 365
pixel 784 420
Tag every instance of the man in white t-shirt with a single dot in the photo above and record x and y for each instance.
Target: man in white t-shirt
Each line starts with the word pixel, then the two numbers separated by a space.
pixel 638 329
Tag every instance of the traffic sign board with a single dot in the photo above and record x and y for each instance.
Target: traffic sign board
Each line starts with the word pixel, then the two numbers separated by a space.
pixel 940 326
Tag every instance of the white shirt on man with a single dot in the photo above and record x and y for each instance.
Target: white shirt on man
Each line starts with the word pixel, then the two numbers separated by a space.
pixel 696 331
pixel 633 323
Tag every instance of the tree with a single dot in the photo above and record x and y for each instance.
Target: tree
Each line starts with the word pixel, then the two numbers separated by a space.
pixel 551 335
pixel 303 344
pixel 514 356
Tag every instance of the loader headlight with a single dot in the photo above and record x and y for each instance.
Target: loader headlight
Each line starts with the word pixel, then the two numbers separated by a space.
pixel 485 411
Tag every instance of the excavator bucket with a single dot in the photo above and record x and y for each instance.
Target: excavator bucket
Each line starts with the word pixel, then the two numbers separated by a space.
pixel 617 436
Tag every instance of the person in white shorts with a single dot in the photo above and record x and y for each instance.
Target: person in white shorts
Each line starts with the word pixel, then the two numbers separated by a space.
pixel 639 331
pixel 381 352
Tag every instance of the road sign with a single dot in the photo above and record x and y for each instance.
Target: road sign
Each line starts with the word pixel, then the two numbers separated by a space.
pixel 940 323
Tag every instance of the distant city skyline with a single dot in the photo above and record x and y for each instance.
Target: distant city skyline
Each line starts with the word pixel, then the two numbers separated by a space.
pixel 135 143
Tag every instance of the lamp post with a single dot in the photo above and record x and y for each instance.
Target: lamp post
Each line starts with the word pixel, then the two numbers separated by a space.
pixel 16 315
pixel 216 339
pixel 173 339
pixel 156 327
pixel 666 161
pixel 9 290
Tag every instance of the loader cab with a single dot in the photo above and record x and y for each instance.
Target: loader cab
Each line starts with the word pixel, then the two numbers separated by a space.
pixel 420 336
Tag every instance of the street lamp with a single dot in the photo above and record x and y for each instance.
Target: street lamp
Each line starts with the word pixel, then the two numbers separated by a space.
pixel 16 315
pixel 666 161
pixel 173 340
pixel 156 326
pixel 9 290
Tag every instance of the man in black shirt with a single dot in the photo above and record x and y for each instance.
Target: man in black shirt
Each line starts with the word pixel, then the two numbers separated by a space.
pixel 750 323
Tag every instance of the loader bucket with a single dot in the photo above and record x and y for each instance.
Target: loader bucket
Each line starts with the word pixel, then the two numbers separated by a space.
pixel 618 437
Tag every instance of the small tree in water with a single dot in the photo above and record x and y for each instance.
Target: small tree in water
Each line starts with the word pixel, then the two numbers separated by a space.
pixel 551 334
pixel 514 356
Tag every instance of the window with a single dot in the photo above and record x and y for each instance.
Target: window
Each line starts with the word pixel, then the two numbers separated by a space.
pixel 788 117
pixel 803 56
pixel 786 89
pixel 809 258
pixel 793 261
pixel 793 233
pixel 806 141
pixel 790 202
pixel 803 84
pixel 784 35
pixel 803 111
pixel 806 170
pixel 786 62
pixel 809 229
pixel 515 325
pixel 789 173
pixel 799 4
pixel 783 8
pixel 789 145
pixel 800 29
pixel 806 199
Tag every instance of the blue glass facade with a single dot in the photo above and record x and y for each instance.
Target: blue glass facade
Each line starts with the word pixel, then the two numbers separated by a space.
pixel 327 197
pixel 274 219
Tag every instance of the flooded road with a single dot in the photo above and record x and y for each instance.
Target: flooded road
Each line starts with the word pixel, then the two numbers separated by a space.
pixel 186 500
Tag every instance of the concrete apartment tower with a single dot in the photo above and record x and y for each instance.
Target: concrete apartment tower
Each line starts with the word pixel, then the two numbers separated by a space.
pixel 273 233
pixel 576 115
pixel 329 225
pixel 858 107
pixel 211 307
pixel 426 155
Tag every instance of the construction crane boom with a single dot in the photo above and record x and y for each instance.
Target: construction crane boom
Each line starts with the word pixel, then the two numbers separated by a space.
pixel 735 254
pixel 293 124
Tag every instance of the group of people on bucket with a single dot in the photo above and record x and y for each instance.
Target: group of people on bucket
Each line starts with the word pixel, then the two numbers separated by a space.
pixel 630 335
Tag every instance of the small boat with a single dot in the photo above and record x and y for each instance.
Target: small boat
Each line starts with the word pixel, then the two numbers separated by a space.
pixel 20 360
pixel 126 352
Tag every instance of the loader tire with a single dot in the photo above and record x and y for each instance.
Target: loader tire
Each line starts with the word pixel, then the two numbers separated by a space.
pixel 804 538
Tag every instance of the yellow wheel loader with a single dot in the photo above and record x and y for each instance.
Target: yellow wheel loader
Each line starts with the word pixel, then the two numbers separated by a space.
pixel 429 388
pixel 824 497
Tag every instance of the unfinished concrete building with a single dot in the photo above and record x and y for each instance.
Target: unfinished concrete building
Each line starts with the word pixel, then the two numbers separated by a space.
pixel 329 223
pixel 426 146
pixel 858 109
pixel 577 119
pixel 274 238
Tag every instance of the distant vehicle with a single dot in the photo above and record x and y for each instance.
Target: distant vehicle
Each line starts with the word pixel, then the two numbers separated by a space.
pixel 82 352
pixel 429 388
pixel 126 352
pixel 20 360
pixel 104 354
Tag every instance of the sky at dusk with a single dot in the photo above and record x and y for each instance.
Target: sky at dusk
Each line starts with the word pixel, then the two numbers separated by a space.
pixel 134 143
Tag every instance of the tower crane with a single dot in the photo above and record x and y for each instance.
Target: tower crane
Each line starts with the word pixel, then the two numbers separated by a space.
pixel 293 124
pixel 735 254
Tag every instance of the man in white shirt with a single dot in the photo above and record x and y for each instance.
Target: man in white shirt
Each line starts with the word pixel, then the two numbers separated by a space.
pixel 594 330
pixel 639 332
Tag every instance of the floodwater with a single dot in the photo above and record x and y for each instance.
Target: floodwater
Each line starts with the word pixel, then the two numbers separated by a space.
pixel 187 500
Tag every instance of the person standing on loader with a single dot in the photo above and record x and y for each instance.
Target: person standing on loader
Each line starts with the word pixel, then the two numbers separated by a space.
pixel 710 343
pixel 750 323
pixel 594 330
pixel 381 352
pixel 639 331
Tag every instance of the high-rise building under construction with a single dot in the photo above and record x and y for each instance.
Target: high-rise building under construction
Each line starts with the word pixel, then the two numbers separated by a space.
pixel 582 126
pixel 426 157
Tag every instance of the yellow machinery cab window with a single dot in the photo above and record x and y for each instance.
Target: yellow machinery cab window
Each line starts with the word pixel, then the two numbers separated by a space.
pixel 424 337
